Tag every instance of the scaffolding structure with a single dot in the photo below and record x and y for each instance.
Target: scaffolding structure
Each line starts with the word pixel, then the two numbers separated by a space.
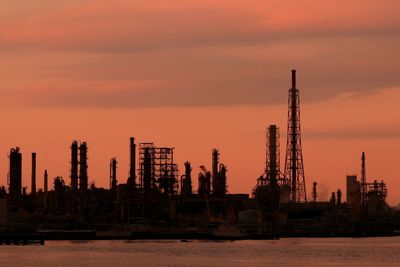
pixel 370 191
pixel 294 167
pixel 157 169
pixel 272 175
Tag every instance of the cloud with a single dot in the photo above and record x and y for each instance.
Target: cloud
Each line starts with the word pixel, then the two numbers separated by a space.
pixel 98 53
pixel 356 133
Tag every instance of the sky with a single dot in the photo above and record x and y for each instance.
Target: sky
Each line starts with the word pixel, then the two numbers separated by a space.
pixel 199 74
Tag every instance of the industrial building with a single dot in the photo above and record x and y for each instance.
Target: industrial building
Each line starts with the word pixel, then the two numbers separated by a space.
pixel 156 201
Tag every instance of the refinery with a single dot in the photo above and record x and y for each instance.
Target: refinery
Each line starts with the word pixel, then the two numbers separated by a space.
pixel 155 202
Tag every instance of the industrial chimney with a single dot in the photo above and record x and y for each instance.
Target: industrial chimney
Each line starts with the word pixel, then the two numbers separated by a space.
pixel 83 176
pixel 45 182
pixel 74 166
pixel 113 174
pixel 33 181
pixel 132 165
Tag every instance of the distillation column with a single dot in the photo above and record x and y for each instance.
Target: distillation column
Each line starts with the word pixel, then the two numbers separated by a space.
pixel 83 176
pixel 113 174
pixel 132 164
pixel 74 166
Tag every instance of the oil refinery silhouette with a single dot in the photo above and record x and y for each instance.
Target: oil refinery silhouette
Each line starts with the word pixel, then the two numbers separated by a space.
pixel 156 203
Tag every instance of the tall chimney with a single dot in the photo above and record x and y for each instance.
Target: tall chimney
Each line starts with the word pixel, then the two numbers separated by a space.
pixel 45 181
pixel 74 166
pixel 83 175
pixel 294 79
pixel 132 165
pixel 113 174
pixel 214 169
pixel 33 182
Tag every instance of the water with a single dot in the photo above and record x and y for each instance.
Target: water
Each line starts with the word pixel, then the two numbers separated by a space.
pixel 284 252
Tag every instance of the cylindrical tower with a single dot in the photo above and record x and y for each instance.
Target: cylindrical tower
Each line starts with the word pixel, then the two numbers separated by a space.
pixel 214 170
pixel 363 181
pixel 113 174
pixel 83 175
pixel 45 181
pixel 273 156
pixel 222 180
pixel 33 181
pixel 15 177
pixel 132 164
pixel 74 166
pixel 186 183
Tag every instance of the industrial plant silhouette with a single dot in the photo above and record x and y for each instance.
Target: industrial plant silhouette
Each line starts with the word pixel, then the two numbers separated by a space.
pixel 156 203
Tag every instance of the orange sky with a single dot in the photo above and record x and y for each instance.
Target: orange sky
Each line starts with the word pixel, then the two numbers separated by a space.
pixel 197 75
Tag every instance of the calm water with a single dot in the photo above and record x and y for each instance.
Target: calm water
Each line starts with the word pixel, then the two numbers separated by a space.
pixel 284 252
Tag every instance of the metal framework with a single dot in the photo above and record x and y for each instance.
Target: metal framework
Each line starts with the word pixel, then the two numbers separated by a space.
pixel 294 167
pixel 376 190
pixel 272 172
pixel 157 169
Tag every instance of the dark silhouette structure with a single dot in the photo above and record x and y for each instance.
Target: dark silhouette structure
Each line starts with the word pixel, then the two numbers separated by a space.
pixel 272 187
pixel 74 166
pixel 45 181
pixel 218 175
pixel 157 205
pixel 363 182
pixel 373 195
pixel 15 177
pixel 157 168
pixel 186 180
pixel 83 175
pixel 314 192
pixel 33 181
pixel 294 167
pixel 204 181
pixel 113 174
pixel 132 164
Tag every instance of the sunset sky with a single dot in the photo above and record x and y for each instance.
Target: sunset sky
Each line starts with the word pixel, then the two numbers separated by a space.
pixel 199 74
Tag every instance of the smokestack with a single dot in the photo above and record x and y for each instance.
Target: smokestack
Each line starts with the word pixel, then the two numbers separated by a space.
pixel 33 182
pixel 45 181
pixel 74 166
pixel 293 79
pixel 363 170
pixel 314 192
pixel 83 176
pixel 272 159
pixel 214 169
pixel 363 181
pixel 15 182
pixel 113 174
pixel 132 165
